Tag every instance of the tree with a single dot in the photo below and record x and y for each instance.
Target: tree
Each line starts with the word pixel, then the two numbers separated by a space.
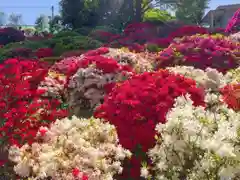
pixel 42 23
pixel 15 20
pixel 157 15
pixel 2 19
pixel 191 11
pixel 72 12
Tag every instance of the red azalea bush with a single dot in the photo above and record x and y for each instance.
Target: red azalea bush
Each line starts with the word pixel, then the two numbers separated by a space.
pixel 231 96
pixel 10 35
pixel 70 65
pixel 23 110
pixel 102 35
pixel 44 52
pixel 201 51
pixel 188 31
pixel 138 104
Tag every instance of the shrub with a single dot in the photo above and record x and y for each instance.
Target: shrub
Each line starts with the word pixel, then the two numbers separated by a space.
pixel 65 34
pixel 138 104
pixel 87 142
pixel 193 142
pixel 95 77
pixel 23 110
pixel 84 31
pixel 44 52
pixel 188 31
pixel 201 51
pixel 9 35
pixel 73 53
pixel 74 43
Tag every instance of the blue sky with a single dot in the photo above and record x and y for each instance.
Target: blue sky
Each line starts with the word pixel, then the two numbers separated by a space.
pixel 31 9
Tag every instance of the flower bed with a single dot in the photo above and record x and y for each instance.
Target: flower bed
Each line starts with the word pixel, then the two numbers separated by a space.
pixel 116 114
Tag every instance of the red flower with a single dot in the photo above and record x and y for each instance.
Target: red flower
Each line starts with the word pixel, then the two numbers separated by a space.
pixel 231 96
pixel 75 172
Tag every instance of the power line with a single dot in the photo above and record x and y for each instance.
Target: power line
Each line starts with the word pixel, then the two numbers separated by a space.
pixel 20 7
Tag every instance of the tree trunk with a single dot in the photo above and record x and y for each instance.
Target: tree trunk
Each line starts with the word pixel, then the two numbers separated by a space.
pixel 138 15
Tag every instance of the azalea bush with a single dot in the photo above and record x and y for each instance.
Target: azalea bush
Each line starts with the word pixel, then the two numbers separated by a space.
pixel 188 31
pixel 136 109
pixel 23 110
pixel 10 35
pixel 44 52
pixel 196 144
pixel 201 52
pixel 86 149
pixel 96 75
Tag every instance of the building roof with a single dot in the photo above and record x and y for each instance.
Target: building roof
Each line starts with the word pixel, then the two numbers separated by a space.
pixel 219 11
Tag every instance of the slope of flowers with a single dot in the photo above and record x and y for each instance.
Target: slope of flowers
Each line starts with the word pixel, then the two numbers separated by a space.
pixel 168 113
pixel 201 52
pixel 85 149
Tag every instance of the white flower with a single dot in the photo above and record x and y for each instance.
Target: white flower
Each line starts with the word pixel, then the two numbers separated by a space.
pixel 144 172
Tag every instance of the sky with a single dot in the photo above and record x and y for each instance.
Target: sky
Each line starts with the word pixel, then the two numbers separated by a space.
pixel 31 9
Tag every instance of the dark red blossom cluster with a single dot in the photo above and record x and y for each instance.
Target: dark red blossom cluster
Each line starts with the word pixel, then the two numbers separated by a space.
pixel 22 109
pixel 188 31
pixel 138 104
pixel 231 96
pixel 201 52
pixel 10 35
pixel 44 52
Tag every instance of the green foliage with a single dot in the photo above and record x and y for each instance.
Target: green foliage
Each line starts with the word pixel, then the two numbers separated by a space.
pixel 74 43
pixel 191 11
pixel 157 15
pixel 153 48
pixel 84 31
pixel 65 34
pixel 106 29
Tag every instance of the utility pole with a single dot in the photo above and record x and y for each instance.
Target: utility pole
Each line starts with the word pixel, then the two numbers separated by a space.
pixel 51 24
pixel 52 9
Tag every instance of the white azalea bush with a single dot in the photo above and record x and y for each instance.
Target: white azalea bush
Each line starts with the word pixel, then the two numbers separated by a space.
pixel 71 149
pixel 196 144
pixel 54 84
pixel 210 79
pixel 88 86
